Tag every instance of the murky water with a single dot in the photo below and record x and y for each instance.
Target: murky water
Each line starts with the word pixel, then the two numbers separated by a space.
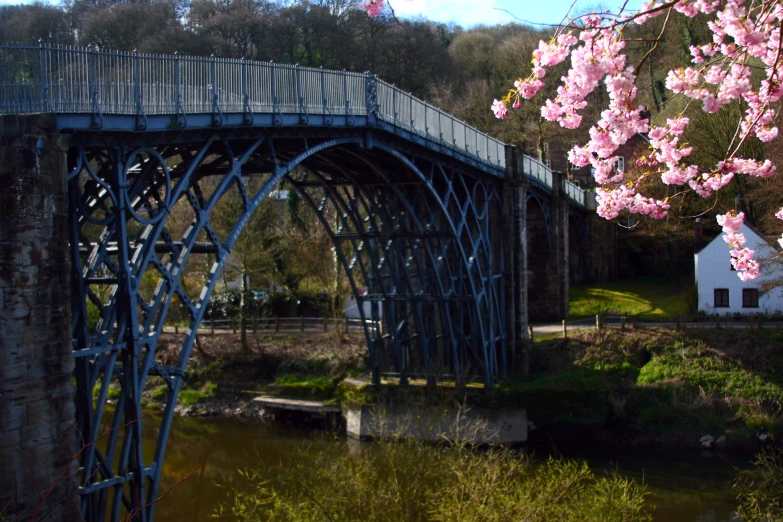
pixel 684 487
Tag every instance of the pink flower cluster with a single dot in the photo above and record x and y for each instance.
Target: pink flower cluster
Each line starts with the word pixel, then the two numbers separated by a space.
pixel 612 201
pixel 779 215
pixel 742 37
pixel 741 257
pixel 373 7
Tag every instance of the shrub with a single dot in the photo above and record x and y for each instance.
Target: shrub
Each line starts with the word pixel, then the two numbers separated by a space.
pixel 412 481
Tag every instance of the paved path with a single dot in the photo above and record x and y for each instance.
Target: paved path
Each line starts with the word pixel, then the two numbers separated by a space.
pixel 589 323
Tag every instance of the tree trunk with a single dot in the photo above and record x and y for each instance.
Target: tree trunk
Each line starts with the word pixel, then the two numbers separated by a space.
pixel 201 351
pixel 243 313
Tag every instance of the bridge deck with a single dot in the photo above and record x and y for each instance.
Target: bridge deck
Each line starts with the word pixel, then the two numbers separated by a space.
pixel 92 89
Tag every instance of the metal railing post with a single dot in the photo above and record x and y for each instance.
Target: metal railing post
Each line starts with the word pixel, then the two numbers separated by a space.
pixel 217 116
pixel 96 117
pixel 347 100
pixel 410 106
pixel 303 118
pixel 323 90
pixel 394 103
pixel 275 105
pixel 247 112
pixel 48 107
pixel 141 118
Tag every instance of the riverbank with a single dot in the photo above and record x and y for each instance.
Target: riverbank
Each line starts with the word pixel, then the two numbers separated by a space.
pixel 713 388
pixel 708 387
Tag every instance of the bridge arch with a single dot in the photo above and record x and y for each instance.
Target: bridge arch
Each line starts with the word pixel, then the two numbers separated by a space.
pixel 416 231
pixel 539 255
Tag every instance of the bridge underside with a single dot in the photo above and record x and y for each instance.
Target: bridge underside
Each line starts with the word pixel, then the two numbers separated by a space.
pixel 422 236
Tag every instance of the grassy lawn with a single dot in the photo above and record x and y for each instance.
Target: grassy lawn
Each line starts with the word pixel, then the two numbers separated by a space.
pixel 648 298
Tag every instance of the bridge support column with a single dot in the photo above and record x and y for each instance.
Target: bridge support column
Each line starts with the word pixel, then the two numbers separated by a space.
pixel 36 391
pixel 557 300
pixel 515 235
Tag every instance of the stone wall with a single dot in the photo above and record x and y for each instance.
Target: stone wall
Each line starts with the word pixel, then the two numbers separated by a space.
pixel 36 390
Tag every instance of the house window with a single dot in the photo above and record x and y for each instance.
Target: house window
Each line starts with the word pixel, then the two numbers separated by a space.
pixel 548 164
pixel 750 298
pixel 619 165
pixel 721 298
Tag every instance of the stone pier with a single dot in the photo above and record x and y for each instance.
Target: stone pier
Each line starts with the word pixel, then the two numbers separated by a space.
pixel 37 425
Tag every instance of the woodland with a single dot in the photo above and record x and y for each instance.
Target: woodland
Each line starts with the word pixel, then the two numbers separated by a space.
pixel 458 69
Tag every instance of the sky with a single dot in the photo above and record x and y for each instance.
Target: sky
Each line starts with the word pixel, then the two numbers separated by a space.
pixel 471 12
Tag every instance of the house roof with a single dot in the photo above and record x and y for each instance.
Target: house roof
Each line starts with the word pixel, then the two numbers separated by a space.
pixel 761 236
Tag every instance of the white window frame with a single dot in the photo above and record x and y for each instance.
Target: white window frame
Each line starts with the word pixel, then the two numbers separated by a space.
pixel 619 164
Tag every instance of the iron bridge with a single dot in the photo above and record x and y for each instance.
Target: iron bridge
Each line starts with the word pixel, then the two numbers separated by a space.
pixel 411 197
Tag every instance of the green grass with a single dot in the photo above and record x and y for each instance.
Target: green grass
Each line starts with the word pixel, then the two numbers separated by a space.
pixel 693 365
pixel 315 382
pixel 190 397
pixel 649 298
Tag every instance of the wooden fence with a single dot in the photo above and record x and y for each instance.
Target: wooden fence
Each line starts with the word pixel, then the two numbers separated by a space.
pixel 283 324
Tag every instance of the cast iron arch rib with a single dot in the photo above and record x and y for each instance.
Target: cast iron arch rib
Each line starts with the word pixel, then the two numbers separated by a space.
pixel 404 243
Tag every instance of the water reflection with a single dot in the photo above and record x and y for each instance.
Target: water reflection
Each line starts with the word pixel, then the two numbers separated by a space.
pixel 683 487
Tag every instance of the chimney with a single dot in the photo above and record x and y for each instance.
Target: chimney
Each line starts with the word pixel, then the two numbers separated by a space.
pixel 697 235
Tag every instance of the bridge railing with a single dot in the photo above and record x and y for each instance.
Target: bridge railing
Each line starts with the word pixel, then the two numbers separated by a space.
pixel 70 80
pixel 73 80
pixel 537 171
pixel 576 194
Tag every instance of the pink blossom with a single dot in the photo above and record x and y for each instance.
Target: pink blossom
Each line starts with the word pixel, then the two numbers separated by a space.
pixel 373 7
pixel 731 222
pixel 528 88
pixel 735 239
pixel 500 109
pixel 779 214
pixel 743 35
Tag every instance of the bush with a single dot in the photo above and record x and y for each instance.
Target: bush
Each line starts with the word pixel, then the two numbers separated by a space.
pixel 412 481
pixel 760 489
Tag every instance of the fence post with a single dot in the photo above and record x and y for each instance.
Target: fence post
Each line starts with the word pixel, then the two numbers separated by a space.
pixel 326 324
pixel 301 323
pixel 394 103
pixel 176 328
pixel 247 112
pixel 622 322
pixel 277 324
pixel 217 116
pixel 347 99
pixel 565 331
pixel 212 326
pixel 323 91
pixel 96 117
pixel 530 332
pixel 48 107
pixel 679 326
pixel 598 324
pixel 137 91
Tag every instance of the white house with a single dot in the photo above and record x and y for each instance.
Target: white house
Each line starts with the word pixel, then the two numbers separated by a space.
pixel 722 292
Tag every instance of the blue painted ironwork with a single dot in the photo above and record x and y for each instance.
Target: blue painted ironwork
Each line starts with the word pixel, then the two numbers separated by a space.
pixel 144 92
pixel 419 234
pixel 410 197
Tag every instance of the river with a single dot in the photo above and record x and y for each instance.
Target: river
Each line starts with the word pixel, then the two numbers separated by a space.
pixel 684 487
